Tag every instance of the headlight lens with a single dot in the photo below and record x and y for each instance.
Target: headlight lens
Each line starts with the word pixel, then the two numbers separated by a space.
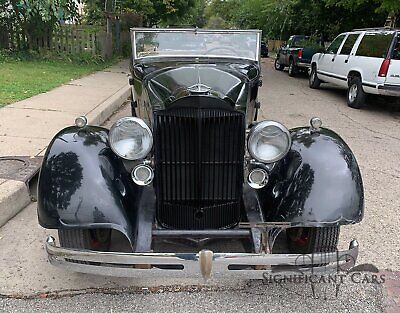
pixel 269 142
pixel 130 138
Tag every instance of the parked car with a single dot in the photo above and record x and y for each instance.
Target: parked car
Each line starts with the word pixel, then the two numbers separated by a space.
pixel 192 165
pixel 365 61
pixel 297 53
pixel 264 49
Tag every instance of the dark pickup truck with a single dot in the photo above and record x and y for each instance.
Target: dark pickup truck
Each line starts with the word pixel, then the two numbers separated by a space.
pixel 297 53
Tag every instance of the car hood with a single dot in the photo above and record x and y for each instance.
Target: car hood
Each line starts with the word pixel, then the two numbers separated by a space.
pixel 166 83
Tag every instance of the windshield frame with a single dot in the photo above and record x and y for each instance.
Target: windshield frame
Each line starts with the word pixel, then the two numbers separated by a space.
pixel 194 30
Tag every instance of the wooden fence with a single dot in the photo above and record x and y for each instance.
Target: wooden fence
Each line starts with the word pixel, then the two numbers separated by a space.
pixel 274 45
pixel 68 39
pixel 74 40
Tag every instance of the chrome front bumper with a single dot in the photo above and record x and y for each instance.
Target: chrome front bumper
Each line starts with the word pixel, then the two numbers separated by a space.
pixel 205 264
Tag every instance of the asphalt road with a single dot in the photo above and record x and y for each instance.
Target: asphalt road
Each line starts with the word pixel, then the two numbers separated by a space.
pixel 373 134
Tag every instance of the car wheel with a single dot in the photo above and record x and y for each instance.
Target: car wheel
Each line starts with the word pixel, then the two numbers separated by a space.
pixel 313 81
pixel 312 239
pixel 90 239
pixel 292 68
pixel 278 65
pixel 355 94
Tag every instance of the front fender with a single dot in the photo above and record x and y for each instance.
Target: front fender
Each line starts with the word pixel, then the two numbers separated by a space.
pixel 317 183
pixel 82 184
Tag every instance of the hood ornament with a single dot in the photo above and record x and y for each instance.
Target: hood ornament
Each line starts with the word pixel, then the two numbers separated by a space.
pixel 199 89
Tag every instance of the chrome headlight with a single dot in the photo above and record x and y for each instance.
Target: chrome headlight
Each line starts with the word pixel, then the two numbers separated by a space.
pixel 269 141
pixel 130 138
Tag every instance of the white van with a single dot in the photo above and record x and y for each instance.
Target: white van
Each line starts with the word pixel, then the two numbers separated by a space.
pixel 366 61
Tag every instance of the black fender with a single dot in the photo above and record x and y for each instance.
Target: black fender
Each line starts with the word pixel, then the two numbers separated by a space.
pixel 83 184
pixel 316 184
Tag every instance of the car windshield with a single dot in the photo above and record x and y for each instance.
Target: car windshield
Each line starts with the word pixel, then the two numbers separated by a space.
pixel 196 43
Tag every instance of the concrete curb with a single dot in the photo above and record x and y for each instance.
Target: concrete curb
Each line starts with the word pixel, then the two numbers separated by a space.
pixel 104 110
pixel 14 195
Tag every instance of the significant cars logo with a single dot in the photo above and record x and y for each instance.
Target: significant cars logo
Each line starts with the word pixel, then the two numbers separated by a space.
pixel 361 274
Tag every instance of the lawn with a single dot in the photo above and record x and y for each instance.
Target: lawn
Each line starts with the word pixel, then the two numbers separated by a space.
pixel 21 79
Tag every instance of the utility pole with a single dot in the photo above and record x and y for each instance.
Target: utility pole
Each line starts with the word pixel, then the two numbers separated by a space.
pixel 109 12
pixel 391 20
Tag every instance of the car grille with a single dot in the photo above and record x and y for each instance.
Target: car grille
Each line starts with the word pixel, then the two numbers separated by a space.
pixel 199 155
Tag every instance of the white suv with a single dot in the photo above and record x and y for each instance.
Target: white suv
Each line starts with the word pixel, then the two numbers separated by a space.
pixel 366 61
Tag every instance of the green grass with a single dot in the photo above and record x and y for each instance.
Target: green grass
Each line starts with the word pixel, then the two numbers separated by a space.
pixel 21 79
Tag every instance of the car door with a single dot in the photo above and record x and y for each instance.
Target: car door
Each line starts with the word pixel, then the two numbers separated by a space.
pixel 326 59
pixel 285 52
pixel 343 59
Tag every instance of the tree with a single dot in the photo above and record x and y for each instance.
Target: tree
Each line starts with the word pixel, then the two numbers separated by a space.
pixel 387 6
pixel 216 22
pixel 196 15
pixel 35 19
pixel 224 9
pixel 390 7
pixel 94 12
pixel 152 12
pixel 281 18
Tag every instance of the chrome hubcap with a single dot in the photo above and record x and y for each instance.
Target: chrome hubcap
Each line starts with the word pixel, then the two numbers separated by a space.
pixel 353 93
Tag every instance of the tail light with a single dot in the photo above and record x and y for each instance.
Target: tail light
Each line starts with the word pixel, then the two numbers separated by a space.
pixel 384 68
pixel 300 53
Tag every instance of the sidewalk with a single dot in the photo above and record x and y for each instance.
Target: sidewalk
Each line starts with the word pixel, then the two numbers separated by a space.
pixel 26 127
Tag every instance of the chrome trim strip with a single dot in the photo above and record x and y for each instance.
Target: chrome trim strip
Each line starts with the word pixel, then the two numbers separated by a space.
pixel 331 75
pixel 204 264
pixel 369 85
pixel 196 30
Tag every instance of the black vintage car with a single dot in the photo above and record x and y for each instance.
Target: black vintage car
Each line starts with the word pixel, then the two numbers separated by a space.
pixel 193 165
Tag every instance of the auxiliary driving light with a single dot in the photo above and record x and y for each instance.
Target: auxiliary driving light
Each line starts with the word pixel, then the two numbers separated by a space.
pixel 315 123
pixel 81 121
pixel 257 178
pixel 142 175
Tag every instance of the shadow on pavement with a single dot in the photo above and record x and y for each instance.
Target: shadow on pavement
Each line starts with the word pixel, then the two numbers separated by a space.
pixel 374 103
